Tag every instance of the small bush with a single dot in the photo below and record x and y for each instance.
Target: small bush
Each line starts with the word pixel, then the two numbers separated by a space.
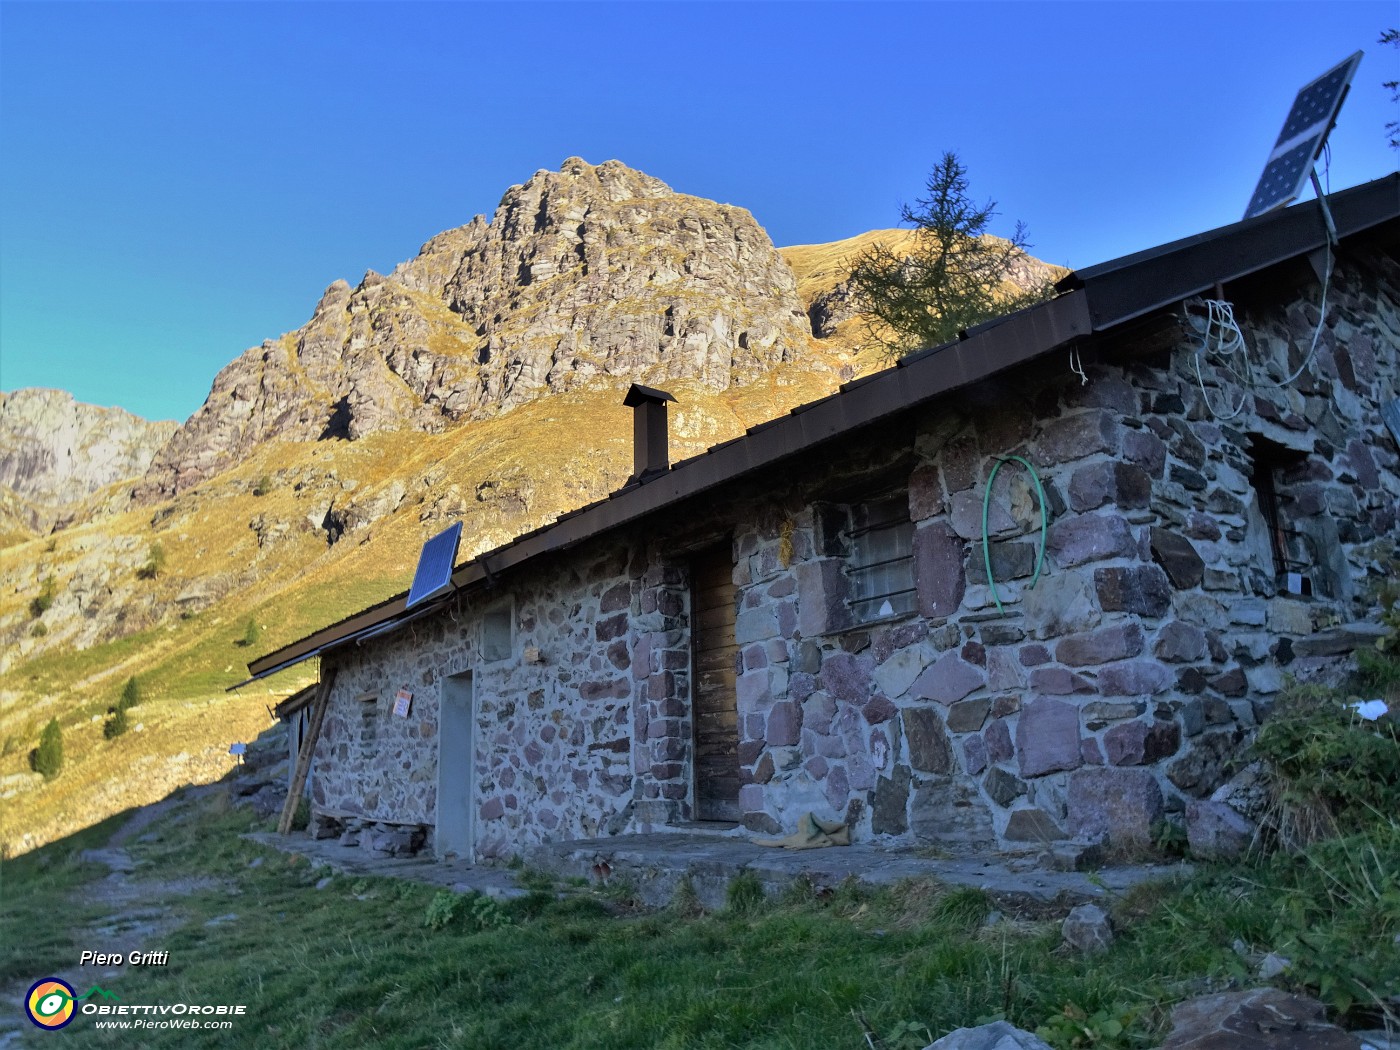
pixel 131 695
pixel 47 758
pixel 43 601
pixel 116 725
pixel 155 562
pixel 38 631
pixel 263 486
pixel 475 910
pixel 1332 771
pixel 301 817
pixel 251 634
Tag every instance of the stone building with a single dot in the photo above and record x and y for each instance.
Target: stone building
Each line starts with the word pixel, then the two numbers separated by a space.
pixel 1037 584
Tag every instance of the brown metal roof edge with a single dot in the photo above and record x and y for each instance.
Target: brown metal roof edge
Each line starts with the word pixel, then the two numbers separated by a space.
pixel 1138 284
pixel 887 392
pixel 297 701
pixel 1091 301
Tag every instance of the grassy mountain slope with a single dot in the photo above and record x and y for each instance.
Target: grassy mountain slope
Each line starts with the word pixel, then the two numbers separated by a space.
pixel 260 522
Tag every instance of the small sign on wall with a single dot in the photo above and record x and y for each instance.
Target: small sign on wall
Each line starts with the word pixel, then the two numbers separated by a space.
pixel 402 699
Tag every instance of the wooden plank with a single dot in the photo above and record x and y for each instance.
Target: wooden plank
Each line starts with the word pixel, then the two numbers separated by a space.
pixel 308 750
pixel 718 622
pixel 720 681
pixel 710 722
pixel 723 658
pixel 715 659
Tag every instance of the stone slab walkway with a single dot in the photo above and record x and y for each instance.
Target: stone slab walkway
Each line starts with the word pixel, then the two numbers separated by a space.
pixel 351 860
pixel 654 866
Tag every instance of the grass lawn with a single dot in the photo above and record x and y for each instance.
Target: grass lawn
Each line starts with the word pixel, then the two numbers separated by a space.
pixel 372 962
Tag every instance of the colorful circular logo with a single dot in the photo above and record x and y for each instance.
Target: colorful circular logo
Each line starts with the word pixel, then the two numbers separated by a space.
pixel 49 1003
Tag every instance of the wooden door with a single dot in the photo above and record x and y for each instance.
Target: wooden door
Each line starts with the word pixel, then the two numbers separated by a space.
pixel 715 657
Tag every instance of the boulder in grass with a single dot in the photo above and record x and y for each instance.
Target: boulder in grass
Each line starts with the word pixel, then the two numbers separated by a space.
pixel 1256 1019
pixel 999 1035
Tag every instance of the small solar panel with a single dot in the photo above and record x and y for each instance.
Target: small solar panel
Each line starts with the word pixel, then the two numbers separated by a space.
pixel 435 564
pixel 1304 134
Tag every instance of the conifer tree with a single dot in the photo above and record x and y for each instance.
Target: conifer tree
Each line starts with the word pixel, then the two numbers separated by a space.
pixel 48 756
pixel 952 278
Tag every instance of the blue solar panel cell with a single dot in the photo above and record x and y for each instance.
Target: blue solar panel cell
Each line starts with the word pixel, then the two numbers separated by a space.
pixel 1316 102
pixel 435 564
pixel 1282 176
pixel 1304 133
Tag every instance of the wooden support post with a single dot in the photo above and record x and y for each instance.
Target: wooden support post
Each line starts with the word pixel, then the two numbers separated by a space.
pixel 308 748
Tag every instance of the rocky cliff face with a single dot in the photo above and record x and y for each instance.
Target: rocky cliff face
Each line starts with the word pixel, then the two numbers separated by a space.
pixel 55 451
pixel 584 272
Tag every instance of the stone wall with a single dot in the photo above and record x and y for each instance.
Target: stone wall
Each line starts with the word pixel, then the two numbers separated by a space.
pixel 1128 678
pixel 1109 690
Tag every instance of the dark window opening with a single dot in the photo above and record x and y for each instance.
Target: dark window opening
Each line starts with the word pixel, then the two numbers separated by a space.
pixel 880 559
pixel 1297 565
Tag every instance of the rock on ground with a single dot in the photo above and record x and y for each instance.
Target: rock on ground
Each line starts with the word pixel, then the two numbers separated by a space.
pixel 1257 1019
pixel 1087 929
pixel 999 1035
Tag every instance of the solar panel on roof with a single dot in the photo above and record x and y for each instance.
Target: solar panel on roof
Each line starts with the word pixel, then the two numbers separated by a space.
pixel 1304 133
pixel 435 563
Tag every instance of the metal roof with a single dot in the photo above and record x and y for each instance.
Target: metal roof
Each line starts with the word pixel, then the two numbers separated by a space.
pixel 1091 300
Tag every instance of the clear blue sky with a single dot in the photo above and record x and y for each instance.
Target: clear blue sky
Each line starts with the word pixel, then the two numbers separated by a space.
pixel 182 180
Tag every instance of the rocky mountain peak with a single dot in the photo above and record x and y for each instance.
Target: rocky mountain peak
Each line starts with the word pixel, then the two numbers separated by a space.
pixel 586 272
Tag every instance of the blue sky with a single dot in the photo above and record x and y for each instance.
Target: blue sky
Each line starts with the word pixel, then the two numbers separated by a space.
pixel 181 181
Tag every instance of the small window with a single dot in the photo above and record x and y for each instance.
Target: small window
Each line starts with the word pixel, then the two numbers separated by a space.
pixel 880 559
pixel 1295 560
pixel 497 633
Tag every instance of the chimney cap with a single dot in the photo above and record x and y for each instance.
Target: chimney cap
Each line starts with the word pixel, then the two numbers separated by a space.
pixel 640 395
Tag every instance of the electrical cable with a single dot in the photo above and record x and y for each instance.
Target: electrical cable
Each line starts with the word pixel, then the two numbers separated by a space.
pixel 1076 365
pixel 1221 327
pixel 986 542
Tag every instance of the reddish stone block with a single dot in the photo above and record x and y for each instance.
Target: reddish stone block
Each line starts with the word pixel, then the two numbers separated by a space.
pixel 1111 643
pixel 1133 678
pixel 1123 485
pixel 938 570
pixel 1074 437
pixel 1121 805
pixel 1090 537
pixel 998 741
pixel 1059 681
pixel 947 680
pixel 1047 737
pixel 925 493
pixel 1141 589
pixel 929 748
pixel 784 724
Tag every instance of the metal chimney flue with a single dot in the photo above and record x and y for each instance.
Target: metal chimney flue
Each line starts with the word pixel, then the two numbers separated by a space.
pixel 651 455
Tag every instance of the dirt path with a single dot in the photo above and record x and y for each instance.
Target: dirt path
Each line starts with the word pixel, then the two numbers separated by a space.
pixel 136 914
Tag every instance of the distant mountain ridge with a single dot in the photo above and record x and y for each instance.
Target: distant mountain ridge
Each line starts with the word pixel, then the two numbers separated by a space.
pixel 480 382
pixel 56 450
pixel 588 271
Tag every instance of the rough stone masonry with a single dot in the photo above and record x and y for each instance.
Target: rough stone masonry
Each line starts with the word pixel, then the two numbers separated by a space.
pixel 1107 696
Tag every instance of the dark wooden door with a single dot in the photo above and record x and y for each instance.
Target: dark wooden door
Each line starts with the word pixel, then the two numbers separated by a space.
pixel 712 601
